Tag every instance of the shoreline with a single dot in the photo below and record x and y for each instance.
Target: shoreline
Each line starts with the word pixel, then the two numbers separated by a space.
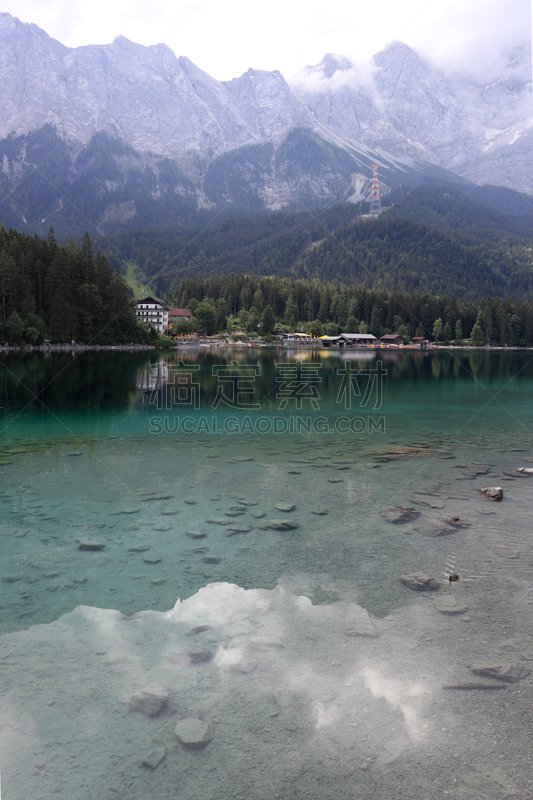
pixel 75 348
pixel 202 343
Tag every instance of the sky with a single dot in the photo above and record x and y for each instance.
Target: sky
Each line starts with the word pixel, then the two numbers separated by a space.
pixel 225 38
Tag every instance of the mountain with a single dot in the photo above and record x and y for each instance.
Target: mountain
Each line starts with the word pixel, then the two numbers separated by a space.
pixel 483 132
pixel 156 102
pixel 113 137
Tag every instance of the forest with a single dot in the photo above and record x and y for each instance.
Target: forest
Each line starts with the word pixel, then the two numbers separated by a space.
pixel 437 241
pixel 318 307
pixel 64 293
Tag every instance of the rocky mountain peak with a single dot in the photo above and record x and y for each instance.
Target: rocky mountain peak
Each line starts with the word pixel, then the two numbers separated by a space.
pixel 395 51
pixel 331 64
pixel 267 104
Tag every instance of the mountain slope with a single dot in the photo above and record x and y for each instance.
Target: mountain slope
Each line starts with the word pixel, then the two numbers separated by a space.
pixel 107 186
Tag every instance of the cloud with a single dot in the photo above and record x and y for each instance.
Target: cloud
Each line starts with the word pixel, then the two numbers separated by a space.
pixel 225 39
pixel 475 37
pixel 315 79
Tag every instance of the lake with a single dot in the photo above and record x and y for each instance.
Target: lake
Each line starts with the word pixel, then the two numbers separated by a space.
pixel 210 544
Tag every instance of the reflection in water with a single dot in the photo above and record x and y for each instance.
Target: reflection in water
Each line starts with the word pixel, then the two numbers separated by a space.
pixel 254 580
pixel 401 694
pixel 154 378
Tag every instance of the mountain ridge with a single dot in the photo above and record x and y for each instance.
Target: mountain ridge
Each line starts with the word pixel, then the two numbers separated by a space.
pixel 198 145
pixel 166 105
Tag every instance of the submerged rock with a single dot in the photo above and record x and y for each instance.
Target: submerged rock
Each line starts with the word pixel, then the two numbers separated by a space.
pixel 448 604
pixel 89 544
pixel 399 514
pixel 244 666
pixel 321 512
pixel 285 506
pixel 419 581
pixel 198 629
pixel 359 625
pixel 198 653
pixel 282 525
pixel 194 733
pixel 150 700
pixel 237 527
pixel 434 527
pixel 493 493
pixel 456 521
pixel 427 500
pixel 154 758
pixel 392 750
pixel 265 644
pixel 152 559
pixel 510 673
pixel 487 782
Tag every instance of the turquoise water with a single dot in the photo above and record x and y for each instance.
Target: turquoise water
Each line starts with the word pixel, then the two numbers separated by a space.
pixel 243 490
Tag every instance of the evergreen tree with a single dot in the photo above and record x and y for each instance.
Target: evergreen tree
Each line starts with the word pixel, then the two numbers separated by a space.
pixel 268 321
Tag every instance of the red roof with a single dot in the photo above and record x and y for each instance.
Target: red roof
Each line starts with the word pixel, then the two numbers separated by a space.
pixel 180 312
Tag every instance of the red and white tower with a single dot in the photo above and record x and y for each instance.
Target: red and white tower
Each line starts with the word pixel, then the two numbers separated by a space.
pixel 375 197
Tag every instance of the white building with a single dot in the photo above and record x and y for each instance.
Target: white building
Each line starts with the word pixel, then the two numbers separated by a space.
pixel 152 312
